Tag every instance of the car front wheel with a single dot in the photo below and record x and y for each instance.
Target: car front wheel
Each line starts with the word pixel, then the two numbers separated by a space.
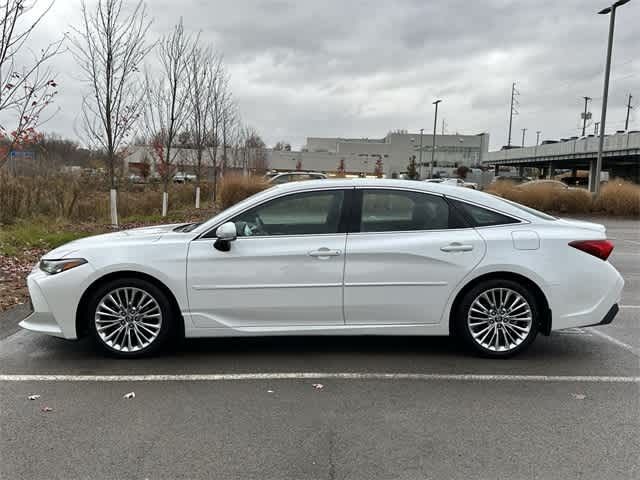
pixel 498 318
pixel 130 318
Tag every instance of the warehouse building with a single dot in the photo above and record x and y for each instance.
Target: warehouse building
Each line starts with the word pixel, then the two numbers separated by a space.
pixel 392 153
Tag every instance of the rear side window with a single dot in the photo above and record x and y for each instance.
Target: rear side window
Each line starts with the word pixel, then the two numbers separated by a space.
pixel 482 217
pixel 398 211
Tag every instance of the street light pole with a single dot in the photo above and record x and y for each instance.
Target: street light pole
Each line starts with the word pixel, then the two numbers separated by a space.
pixel 594 180
pixel 538 137
pixel 420 169
pixel 433 146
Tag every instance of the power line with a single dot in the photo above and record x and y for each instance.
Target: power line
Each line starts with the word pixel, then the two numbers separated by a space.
pixel 629 107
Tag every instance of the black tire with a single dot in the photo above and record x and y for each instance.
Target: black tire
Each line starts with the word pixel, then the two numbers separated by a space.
pixel 166 322
pixel 502 324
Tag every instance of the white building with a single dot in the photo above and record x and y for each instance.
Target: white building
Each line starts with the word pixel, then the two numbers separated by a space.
pixel 360 155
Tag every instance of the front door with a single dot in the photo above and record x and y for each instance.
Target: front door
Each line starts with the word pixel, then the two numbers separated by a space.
pixel 409 253
pixel 284 269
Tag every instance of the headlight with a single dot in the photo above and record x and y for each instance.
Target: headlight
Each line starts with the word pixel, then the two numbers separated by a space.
pixel 56 266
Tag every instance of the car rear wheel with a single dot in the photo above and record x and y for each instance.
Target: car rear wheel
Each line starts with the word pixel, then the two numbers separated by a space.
pixel 498 318
pixel 130 318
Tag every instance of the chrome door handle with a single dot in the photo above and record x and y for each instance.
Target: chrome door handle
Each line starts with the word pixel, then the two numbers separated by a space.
pixel 457 247
pixel 324 253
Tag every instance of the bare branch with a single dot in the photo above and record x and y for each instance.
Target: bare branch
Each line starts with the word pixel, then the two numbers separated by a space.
pixel 110 46
pixel 27 87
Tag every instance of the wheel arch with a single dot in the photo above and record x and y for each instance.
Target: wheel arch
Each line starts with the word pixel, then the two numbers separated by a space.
pixel 543 303
pixel 82 322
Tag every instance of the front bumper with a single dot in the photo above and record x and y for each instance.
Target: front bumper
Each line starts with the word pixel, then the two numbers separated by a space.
pixel 55 299
pixel 42 322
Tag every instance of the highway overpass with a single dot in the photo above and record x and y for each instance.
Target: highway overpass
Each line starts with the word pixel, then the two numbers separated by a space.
pixel 621 155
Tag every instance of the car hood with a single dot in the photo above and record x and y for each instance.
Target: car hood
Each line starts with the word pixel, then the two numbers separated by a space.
pixel 138 235
pixel 596 227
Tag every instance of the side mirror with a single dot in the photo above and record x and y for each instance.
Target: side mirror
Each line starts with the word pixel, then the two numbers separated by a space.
pixel 226 234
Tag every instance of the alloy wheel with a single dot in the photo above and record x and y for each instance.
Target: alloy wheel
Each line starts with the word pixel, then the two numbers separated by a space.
pixel 128 319
pixel 500 319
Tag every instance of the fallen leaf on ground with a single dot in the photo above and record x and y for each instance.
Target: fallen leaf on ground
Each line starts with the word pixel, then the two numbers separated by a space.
pixel 33 397
pixel 318 386
pixel 129 395
pixel 269 391
pixel 46 409
pixel 578 396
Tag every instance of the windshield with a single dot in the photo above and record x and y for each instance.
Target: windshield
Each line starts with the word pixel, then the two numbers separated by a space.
pixel 188 227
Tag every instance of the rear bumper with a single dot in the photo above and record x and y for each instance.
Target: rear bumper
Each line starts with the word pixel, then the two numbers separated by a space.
pixel 608 318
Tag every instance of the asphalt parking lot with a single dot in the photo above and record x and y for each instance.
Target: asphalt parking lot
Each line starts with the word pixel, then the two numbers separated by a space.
pixel 409 408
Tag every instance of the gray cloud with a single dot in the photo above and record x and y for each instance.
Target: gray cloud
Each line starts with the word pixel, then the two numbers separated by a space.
pixel 359 68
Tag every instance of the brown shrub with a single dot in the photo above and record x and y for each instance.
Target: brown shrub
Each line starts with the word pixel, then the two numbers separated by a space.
pixel 234 188
pixel 544 197
pixel 619 197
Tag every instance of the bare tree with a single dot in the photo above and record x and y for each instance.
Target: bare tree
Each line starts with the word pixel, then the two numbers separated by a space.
pixel 167 101
pixel 27 86
pixel 228 120
pixel 109 46
pixel 219 92
pixel 282 146
pixel 205 71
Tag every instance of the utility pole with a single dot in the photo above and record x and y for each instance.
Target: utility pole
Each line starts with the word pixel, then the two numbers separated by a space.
pixel 513 110
pixel 538 137
pixel 444 124
pixel 594 170
pixel 629 107
pixel 595 128
pixel 524 130
pixel 420 168
pixel 586 115
pixel 433 146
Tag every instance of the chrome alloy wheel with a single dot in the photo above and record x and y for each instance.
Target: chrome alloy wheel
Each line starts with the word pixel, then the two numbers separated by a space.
pixel 128 319
pixel 500 319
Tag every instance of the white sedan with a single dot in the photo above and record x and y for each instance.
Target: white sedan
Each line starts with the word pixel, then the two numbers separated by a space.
pixel 334 257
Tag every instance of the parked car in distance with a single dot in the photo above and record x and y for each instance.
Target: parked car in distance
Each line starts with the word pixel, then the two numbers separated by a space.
pixel 182 177
pixel 547 183
pixel 287 177
pixel 575 181
pixel 504 178
pixel 134 178
pixel 334 257
pixel 458 182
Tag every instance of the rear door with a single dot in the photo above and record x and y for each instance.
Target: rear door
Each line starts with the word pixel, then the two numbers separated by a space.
pixel 408 252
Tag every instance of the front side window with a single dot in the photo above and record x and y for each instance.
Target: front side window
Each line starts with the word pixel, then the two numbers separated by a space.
pixel 397 211
pixel 308 213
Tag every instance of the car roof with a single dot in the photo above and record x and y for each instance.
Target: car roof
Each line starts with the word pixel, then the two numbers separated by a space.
pixel 451 191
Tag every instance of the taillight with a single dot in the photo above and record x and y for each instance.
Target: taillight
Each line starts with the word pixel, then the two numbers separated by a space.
pixel 598 248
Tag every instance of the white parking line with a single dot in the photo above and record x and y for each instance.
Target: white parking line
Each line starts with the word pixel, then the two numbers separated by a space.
pixel 629 306
pixel 317 375
pixel 617 342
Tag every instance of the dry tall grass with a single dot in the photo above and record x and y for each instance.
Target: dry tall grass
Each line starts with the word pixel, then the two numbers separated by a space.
pixel 235 188
pixel 86 199
pixel 617 197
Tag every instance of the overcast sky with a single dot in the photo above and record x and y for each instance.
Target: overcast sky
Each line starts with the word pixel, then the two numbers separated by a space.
pixel 361 68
